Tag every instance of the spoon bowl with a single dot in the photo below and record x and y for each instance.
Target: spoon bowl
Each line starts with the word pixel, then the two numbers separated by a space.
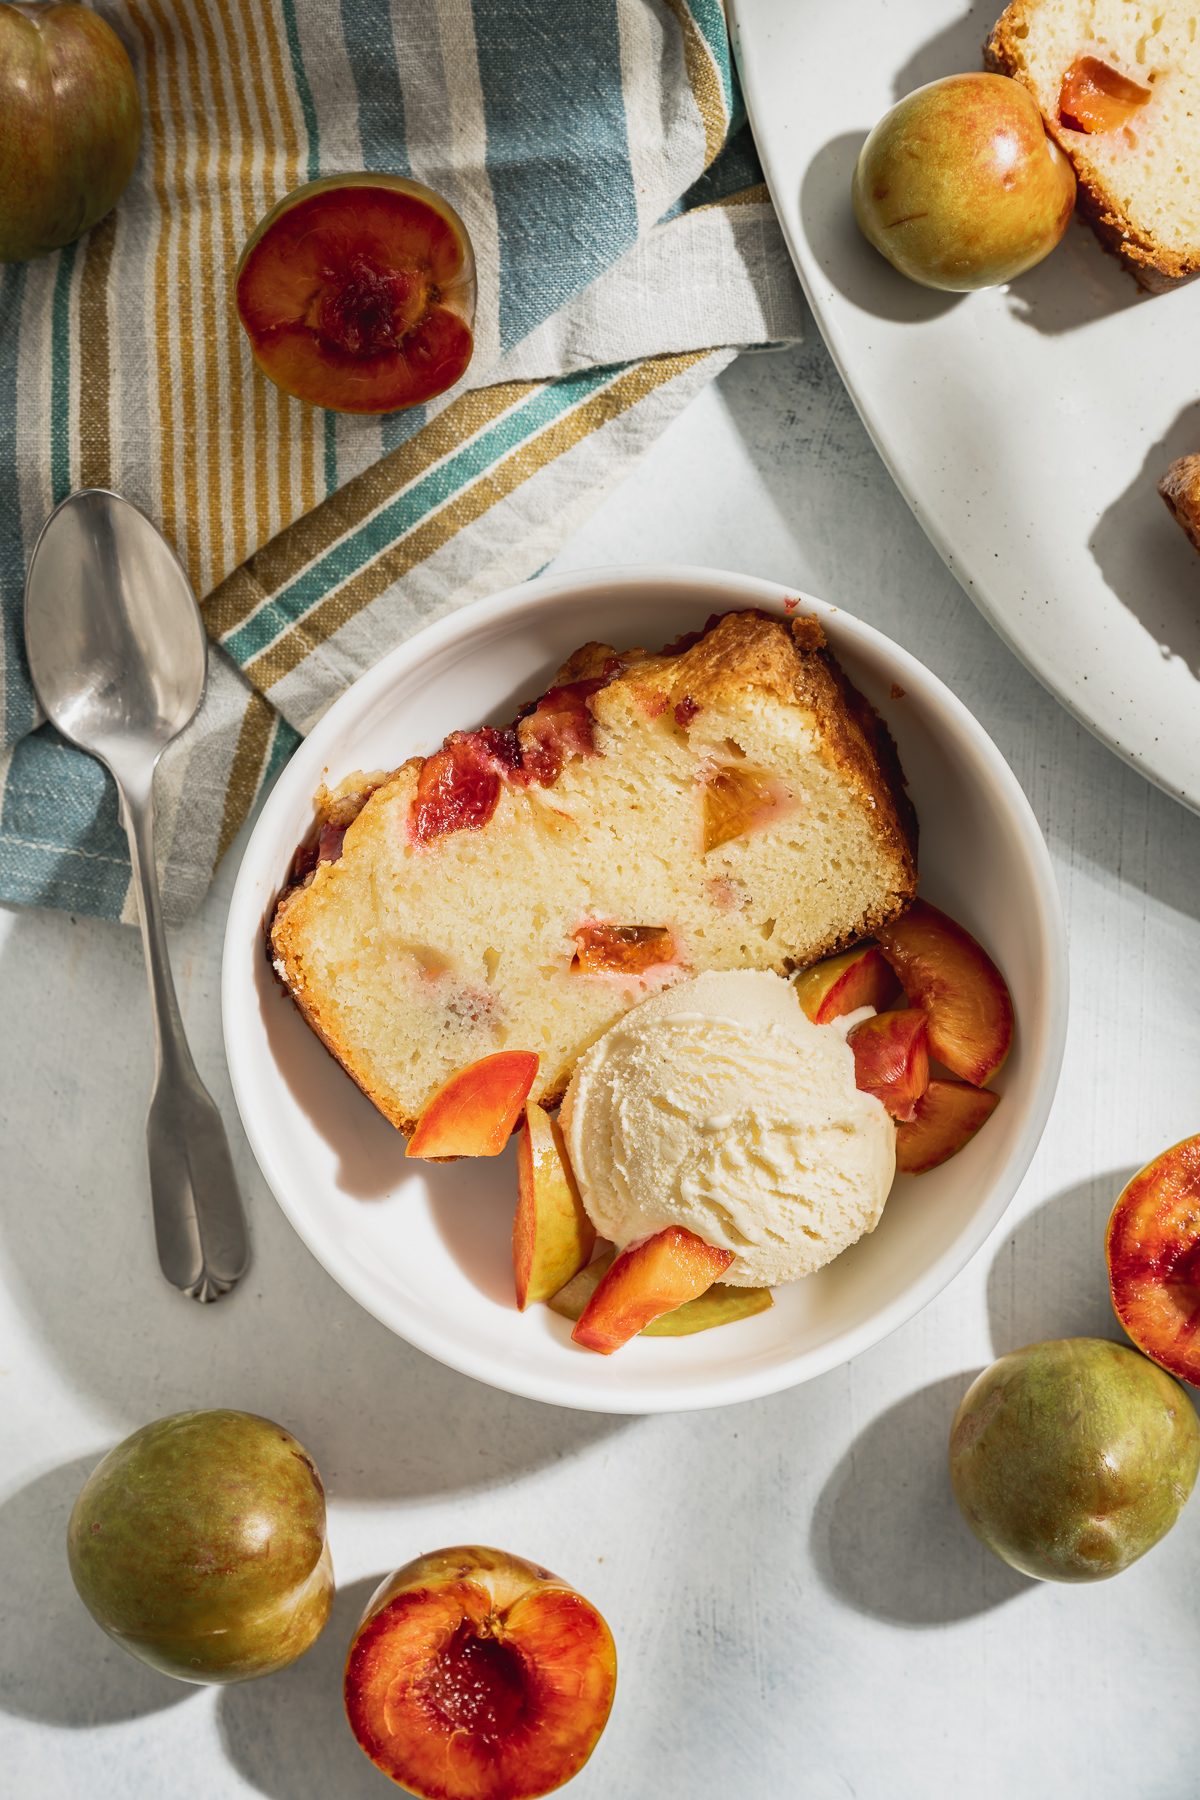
pixel 115 639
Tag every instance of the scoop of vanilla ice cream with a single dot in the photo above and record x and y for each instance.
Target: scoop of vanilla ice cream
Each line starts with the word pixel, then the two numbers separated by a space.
pixel 716 1105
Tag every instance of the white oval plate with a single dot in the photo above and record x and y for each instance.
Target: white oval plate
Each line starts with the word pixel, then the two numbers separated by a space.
pixel 426 1248
pixel 1026 426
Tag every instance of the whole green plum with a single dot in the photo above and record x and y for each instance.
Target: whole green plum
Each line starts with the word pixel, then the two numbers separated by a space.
pixel 1071 1459
pixel 960 187
pixel 199 1545
pixel 70 124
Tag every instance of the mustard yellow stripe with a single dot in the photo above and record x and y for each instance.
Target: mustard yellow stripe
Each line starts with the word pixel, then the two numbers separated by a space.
pixel 283 457
pixel 758 195
pixel 202 368
pixel 285 556
pixel 182 330
pixel 95 424
pixel 163 322
pixel 254 740
pixel 227 505
pixel 497 484
pixel 291 412
pixel 260 134
pixel 242 442
pixel 265 16
pixel 264 21
pixel 703 80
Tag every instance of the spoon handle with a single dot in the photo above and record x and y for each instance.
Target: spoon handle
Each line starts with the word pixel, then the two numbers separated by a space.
pixel 199 1224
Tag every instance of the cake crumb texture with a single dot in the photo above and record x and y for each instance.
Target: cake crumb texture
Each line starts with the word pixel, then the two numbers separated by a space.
pixel 742 807
pixel 1139 182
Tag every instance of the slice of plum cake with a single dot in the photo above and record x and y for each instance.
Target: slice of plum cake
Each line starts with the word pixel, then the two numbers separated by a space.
pixel 731 802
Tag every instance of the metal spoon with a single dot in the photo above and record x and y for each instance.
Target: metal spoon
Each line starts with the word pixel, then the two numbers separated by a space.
pixel 118 657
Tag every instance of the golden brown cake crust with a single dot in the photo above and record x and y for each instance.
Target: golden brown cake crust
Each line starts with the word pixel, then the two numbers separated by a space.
pixel 789 660
pixel 1180 489
pixel 1153 266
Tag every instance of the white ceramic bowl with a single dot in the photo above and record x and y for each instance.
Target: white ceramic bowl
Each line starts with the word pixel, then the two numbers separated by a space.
pixel 426 1248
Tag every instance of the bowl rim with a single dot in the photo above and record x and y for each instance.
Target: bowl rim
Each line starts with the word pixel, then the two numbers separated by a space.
pixel 303 773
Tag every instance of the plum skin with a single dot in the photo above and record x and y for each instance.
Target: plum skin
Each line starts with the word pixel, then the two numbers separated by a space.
pixel 959 187
pixel 70 126
pixel 1071 1459
pixel 198 1544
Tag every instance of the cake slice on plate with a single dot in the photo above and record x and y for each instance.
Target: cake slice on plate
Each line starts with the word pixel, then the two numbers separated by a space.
pixel 730 803
pixel 1118 85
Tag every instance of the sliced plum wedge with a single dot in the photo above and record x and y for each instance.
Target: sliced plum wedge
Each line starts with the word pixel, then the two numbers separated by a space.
pixel 474 1112
pixel 945 1117
pixel 645 1281
pixel 957 986
pixel 891 1059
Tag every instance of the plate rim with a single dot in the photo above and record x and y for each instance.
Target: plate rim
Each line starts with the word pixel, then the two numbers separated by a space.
pixel 972 578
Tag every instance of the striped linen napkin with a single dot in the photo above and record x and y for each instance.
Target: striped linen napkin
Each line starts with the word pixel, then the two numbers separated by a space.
pixel 626 248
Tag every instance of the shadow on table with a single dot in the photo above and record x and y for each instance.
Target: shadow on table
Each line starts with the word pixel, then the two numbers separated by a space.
pixel 955 50
pixel 858 271
pixel 1050 1278
pixel 887 1536
pixel 381 1420
pixel 56 1665
pixel 289 1736
pixel 1144 557
pixel 1076 284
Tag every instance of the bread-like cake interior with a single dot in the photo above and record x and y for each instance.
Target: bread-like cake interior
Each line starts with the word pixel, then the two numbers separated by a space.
pixel 732 804
pixel 1138 182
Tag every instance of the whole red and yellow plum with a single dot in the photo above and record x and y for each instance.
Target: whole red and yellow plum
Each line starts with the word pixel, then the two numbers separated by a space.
pixel 199 1546
pixel 70 125
pixel 1071 1459
pixel 959 186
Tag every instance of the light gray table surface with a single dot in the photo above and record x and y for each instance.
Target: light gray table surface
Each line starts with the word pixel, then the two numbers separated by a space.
pixel 798 1607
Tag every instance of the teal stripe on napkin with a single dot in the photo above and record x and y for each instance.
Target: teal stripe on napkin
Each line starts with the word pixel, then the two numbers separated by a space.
pixel 558 157
pixel 411 508
pixel 371 52
pixel 61 842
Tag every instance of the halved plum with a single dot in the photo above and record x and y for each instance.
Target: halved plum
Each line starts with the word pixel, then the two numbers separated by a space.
pixel 947 1116
pixel 646 1280
pixel 476 1675
pixel 1153 1250
pixel 841 984
pixel 474 1112
pixel 957 986
pixel 552 1234
pixel 891 1059
pixel 357 293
